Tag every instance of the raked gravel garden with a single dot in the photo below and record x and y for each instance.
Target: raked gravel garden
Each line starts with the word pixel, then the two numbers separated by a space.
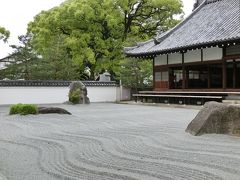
pixel 104 141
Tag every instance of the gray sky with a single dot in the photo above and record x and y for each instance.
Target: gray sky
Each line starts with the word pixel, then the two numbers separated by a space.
pixel 16 14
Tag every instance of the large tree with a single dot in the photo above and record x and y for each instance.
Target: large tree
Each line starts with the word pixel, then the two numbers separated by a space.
pixel 88 30
pixel 93 32
pixel 21 61
pixel 26 63
pixel 143 18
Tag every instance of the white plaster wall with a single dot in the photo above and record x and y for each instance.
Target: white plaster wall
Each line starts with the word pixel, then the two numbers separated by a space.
pixel 102 94
pixel 49 95
pixel 175 58
pixel 192 56
pixel 160 60
pixel 214 53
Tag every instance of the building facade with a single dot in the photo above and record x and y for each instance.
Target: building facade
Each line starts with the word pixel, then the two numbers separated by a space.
pixel 200 53
pixel 5 61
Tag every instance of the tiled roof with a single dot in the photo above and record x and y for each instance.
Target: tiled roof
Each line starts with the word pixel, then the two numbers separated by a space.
pixel 54 83
pixel 6 59
pixel 213 22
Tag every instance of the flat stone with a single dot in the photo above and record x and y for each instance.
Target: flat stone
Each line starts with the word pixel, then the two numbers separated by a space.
pixel 51 110
pixel 216 118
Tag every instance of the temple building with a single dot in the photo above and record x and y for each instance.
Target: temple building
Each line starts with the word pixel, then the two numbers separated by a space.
pixel 202 53
pixel 5 61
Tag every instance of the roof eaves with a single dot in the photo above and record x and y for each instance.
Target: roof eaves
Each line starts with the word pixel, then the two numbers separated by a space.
pixel 184 48
pixel 126 49
pixel 139 44
pixel 7 57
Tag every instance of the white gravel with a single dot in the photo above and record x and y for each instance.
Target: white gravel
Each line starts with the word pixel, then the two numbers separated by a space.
pixel 112 141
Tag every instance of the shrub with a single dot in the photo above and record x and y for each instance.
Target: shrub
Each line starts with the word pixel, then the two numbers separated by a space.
pixel 23 109
pixel 74 96
pixel 15 109
pixel 29 109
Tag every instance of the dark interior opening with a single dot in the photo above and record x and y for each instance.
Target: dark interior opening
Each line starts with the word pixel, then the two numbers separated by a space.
pixel 197 77
pixel 175 78
pixel 216 75
pixel 201 76
pixel 237 74
pixel 230 74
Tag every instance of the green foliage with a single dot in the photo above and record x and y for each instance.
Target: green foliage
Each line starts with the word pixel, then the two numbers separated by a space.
pixel 88 30
pixel 56 63
pixel 64 40
pixel 74 96
pixel 26 64
pixel 144 18
pixel 29 109
pixel 21 62
pixel 4 34
pixel 15 109
pixel 23 109
pixel 135 73
pixel 91 33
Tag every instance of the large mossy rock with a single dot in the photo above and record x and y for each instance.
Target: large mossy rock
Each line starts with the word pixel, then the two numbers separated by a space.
pixel 216 118
pixel 78 93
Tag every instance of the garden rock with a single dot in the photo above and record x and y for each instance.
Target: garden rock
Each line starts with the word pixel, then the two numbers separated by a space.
pixel 50 110
pixel 216 118
pixel 78 85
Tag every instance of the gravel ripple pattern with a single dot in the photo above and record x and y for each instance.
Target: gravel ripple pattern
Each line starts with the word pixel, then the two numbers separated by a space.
pixel 111 141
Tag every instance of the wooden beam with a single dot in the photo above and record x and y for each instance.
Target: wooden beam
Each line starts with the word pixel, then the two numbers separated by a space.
pixel 191 64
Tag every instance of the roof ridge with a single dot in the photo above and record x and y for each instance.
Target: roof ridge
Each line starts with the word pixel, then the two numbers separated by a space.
pixel 159 40
pixel 137 45
pixel 212 1
pixel 145 42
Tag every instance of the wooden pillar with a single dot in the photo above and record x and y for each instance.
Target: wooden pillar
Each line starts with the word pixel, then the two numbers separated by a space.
pixel 169 75
pixel 183 73
pixel 170 79
pixel 187 77
pixel 209 77
pixel 154 84
pixel 201 55
pixel 224 75
pixel 184 77
pixel 234 73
